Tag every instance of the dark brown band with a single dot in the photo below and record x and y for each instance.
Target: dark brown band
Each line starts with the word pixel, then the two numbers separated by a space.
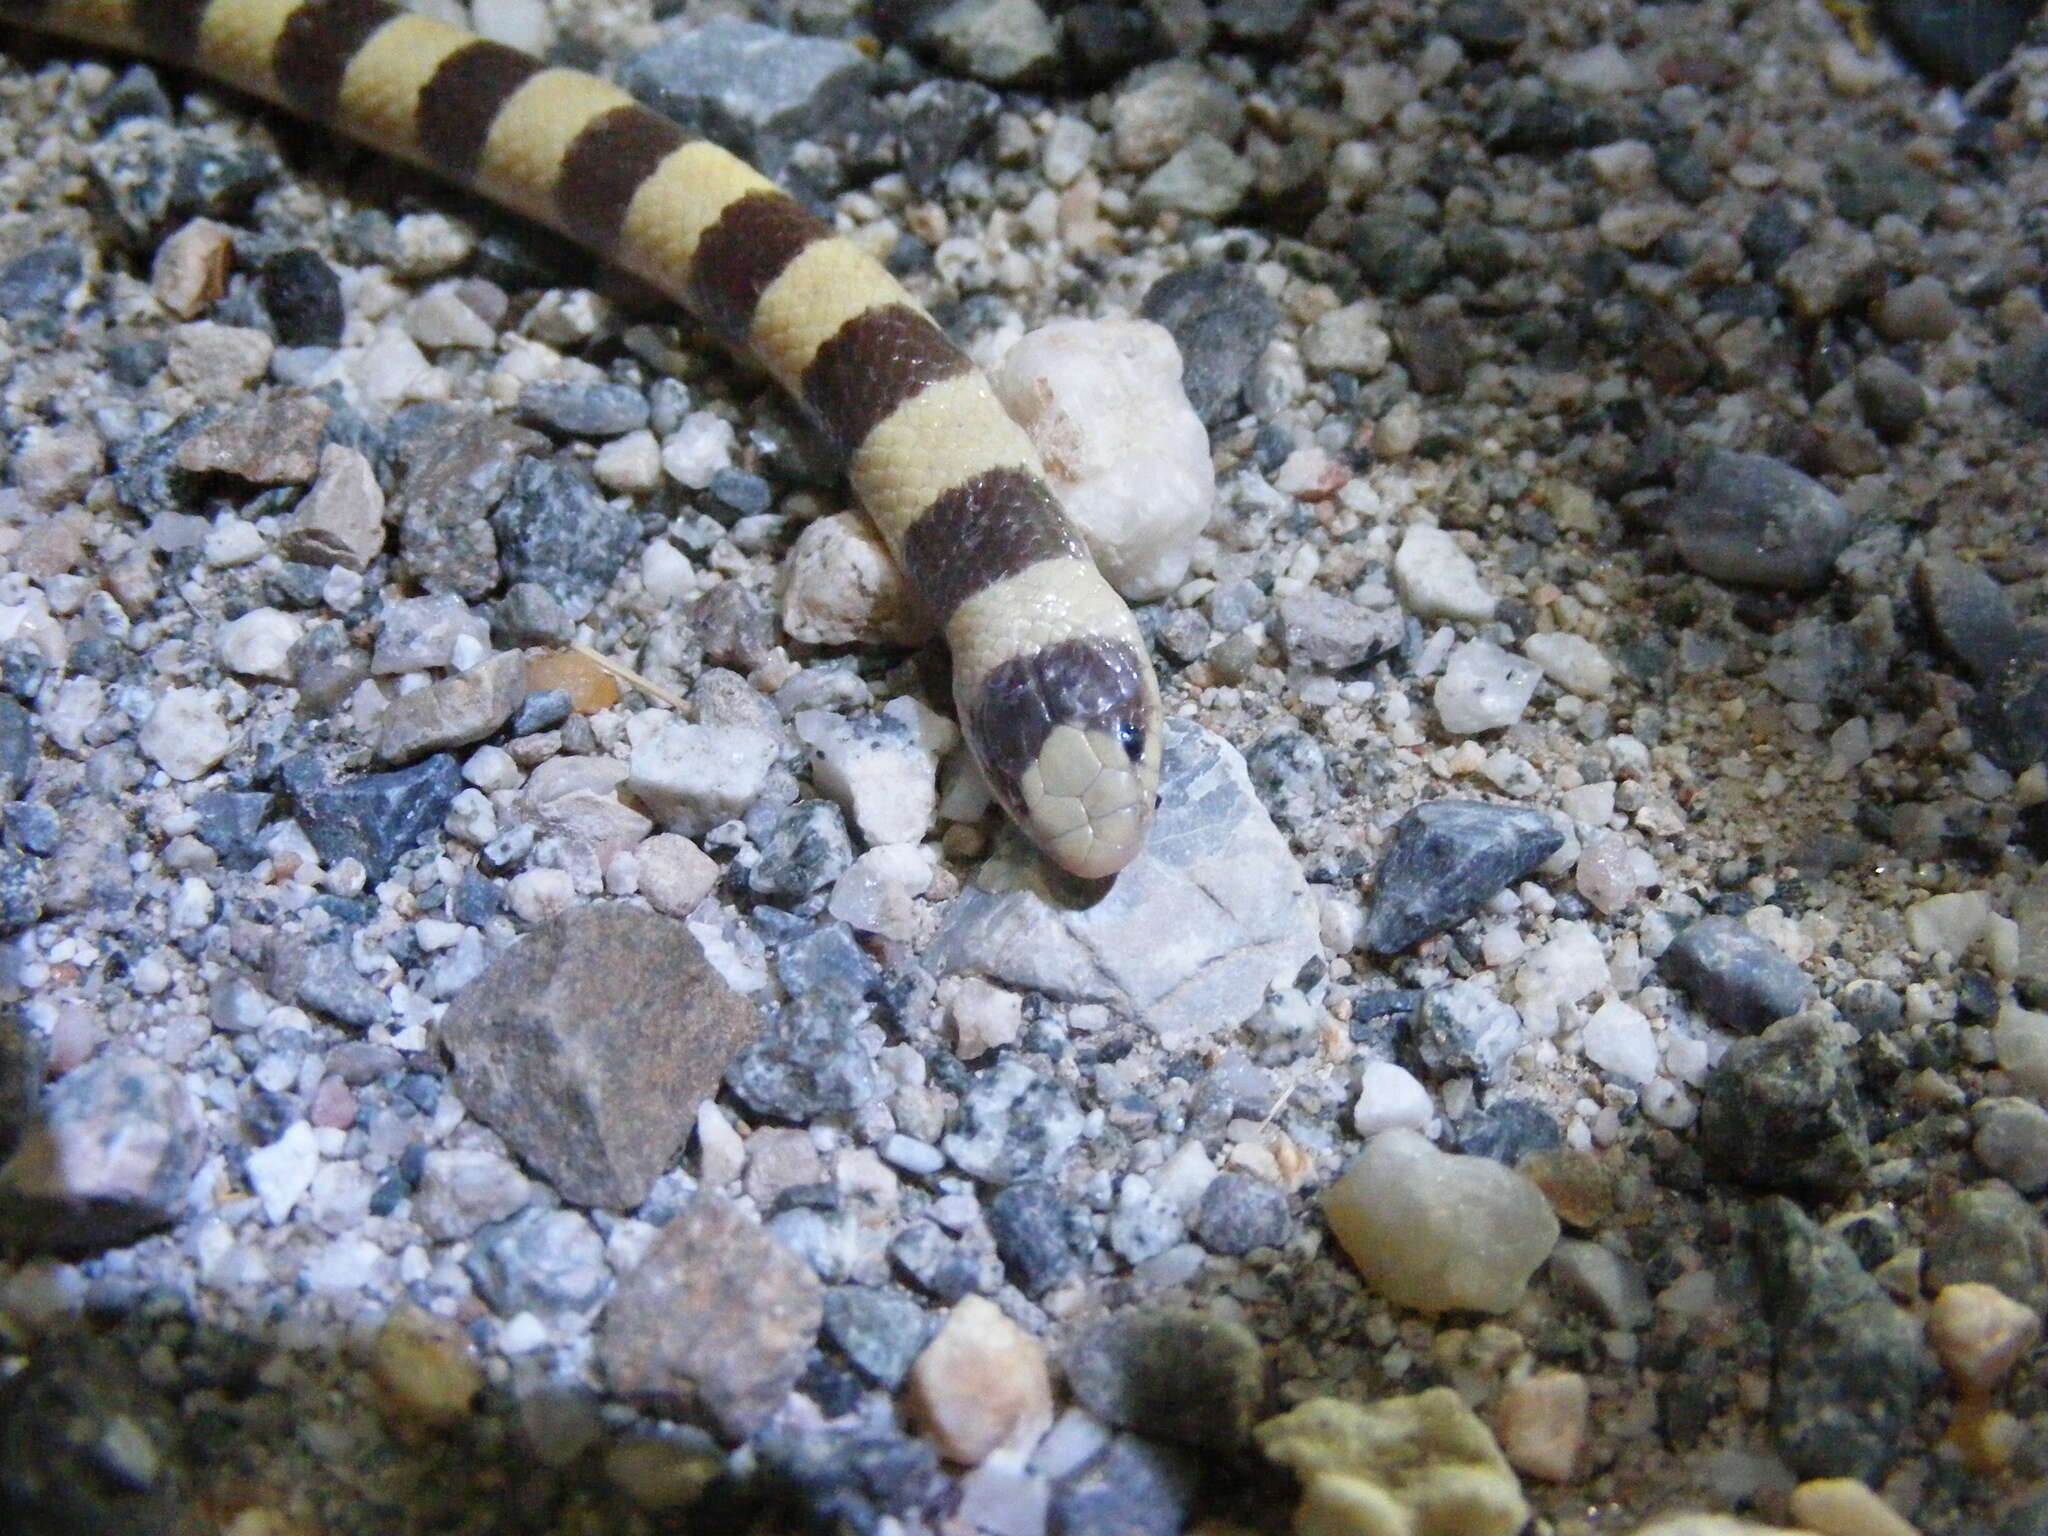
pixel 871 365
pixel 753 242
pixel 990 527
pixel 456 109
pixel 605 165
pixel 315 47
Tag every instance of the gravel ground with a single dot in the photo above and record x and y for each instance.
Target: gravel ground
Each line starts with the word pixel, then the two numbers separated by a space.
pixel 521 1017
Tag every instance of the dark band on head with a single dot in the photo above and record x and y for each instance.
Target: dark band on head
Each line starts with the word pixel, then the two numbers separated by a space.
pixel 1094 682
pixel 872 364
pixel 315 47
pixel 170 28
pixel 452 121
pixel 753 242
pixel 604 167
pixel 1000 522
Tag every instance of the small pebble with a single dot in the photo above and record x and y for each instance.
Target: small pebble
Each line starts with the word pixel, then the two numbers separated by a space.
pixel 981 1384
pixel 1979 1333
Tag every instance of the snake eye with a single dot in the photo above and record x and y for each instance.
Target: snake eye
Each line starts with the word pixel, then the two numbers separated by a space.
pixel 1131 735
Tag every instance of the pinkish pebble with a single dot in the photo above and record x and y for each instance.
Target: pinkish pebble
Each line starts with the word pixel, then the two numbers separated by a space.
pixel 333 1106
pixel 74 1036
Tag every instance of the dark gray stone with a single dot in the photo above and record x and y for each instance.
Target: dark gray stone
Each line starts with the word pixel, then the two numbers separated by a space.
pixel 2018 375
pixel 596 410
pixel 943 120
pixel 377 818
pixel 1970 614
pixel 1990 1235
pixel 1222 321
pixel 1752 521
pixel 753 89
pixel 301 294
pixel 826 968
pixel 540 1261
pixel 807 851
pixel 456 469
pixel 17 749
pixel 1399 258
pixel 2009 716
pixel 1239 1213
pixel 1848 1368
pixel 230 821
pixel 1508 1130
pixel 540 712
pixel 35 289
pixel 1486 28
pixel 1740 981
pixel 810 1062
pixel 1134 1488
pixel 328 983
pixel 1781 1111
pixel 1957 42
pixel 1447 857
pixel 1041 1236
pixel 1171 1373
pixel 945 1266
pixel 22 889
pixel 1892 401
pixel 881 1331
pixel 556 530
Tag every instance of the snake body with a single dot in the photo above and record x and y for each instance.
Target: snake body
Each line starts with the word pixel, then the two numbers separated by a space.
pixel 1052 682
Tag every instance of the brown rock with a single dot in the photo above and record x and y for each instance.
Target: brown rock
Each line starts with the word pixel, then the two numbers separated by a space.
pixel 424 1365
pixel 453 479
pixel 267 442
pixel 190 270
pixel 340 521
pixel 1541 1421
pixel 453 712
pixel 980 1384
pixel 589 1045
pixel 715 1323
pixel 589 686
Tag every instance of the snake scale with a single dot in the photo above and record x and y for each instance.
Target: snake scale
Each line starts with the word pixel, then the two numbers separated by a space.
pixel 1052 681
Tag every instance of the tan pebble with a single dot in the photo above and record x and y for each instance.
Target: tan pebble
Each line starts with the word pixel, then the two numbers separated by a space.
pixel 589 686
pixel 980 1384
pixel 1841 1506
pixel 1541 1421
pixel 1980 1333
pixel 191 268
pixel 1985 1437
pixel 424 1365
pixel 1579 1187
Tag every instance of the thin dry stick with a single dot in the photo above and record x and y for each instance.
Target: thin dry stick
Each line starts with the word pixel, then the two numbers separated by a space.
pixel 654 691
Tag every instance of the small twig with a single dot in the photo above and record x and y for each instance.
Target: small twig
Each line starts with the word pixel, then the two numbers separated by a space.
pixel 654 691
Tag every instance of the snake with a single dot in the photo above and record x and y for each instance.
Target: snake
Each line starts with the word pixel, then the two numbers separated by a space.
pixel 1053 683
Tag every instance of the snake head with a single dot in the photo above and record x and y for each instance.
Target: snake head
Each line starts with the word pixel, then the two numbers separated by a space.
pixel 1069 737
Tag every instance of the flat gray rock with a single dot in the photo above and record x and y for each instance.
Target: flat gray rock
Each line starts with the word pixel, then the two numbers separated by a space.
pixel 1189 938
pixel 589 1045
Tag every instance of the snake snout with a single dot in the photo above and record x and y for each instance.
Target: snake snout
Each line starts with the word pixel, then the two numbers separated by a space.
pixel 1069 737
